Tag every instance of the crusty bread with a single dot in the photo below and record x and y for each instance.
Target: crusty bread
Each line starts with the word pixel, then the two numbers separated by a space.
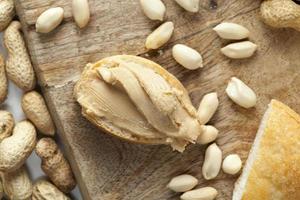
pixel 109 127
pixel 272 171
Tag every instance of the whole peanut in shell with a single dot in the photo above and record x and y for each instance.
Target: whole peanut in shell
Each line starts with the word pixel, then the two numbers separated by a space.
pixel 44 190
pixel 7 13
pixel 18 65
pixel 55 165
pixel 6 124
pixel 281 13
pixel 35 109
pixel 17 184
pixel 14 150
pixel 3 81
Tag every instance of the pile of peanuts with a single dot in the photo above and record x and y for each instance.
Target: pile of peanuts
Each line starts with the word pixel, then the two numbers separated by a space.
pixel 19 139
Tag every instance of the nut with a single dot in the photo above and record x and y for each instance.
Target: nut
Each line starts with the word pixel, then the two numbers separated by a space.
pixel 160 36
pixel 212 162
pixel 55 165
pixel 81 12
pixel 49 20
pixel 7 123
pixel 182 183
pixel 239 50
pixel 17 184
pixel 153 9
pixel 189 5
pixel 281 13
pixel 187 57
pixel 3 80
pixel 7 13
pixel 208 106
pixel 240 93
pixel 208 135
pixel 44 190
pixel 232 164
pixel 205 193
pixel 18 64
pixel 35 109
pixel 231 31
pixel 15 149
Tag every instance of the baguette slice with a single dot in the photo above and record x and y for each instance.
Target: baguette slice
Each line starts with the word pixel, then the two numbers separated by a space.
pixel 272 171
pixel 102 121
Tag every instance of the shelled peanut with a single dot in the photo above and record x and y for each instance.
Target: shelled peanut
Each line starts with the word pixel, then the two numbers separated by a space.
pixel 160 36
pixel 212 162
pixel 49 20
pixel 153 9
pixel 205 193
pixel 81 12
pixel 182 183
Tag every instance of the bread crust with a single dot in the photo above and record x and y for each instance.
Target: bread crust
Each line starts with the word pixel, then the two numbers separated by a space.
pixel 275 171
pixel 108 128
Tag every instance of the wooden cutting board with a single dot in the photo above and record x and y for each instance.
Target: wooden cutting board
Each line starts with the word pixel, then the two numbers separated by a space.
pixel 109 169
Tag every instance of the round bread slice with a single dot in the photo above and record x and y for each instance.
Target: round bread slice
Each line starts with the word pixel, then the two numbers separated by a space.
pixel 109 127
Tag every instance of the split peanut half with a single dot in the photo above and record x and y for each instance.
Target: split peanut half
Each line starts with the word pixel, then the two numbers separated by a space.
pixel 139 101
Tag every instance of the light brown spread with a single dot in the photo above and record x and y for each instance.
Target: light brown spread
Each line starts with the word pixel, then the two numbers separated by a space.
pixel 135 98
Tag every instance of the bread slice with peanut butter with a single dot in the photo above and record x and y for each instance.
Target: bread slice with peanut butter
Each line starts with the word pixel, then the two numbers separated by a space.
pixel 137 100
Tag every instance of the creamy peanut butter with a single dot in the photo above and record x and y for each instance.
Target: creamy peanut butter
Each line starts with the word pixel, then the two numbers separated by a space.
pixel 134 98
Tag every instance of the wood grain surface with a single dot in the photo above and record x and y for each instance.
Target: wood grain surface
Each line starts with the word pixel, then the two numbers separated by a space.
pixel 109 169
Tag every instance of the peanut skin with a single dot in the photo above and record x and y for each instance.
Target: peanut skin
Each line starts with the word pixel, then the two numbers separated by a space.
pixel 36 111
pixel 6 124
pixel 44 190
pixel 18 64
pixel 17 185
pixel 3 80
pixel 55 165
pixel 7 13
pixel 14 150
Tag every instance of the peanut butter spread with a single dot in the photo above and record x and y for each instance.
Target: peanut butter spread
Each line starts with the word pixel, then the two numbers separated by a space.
pixel 135 97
